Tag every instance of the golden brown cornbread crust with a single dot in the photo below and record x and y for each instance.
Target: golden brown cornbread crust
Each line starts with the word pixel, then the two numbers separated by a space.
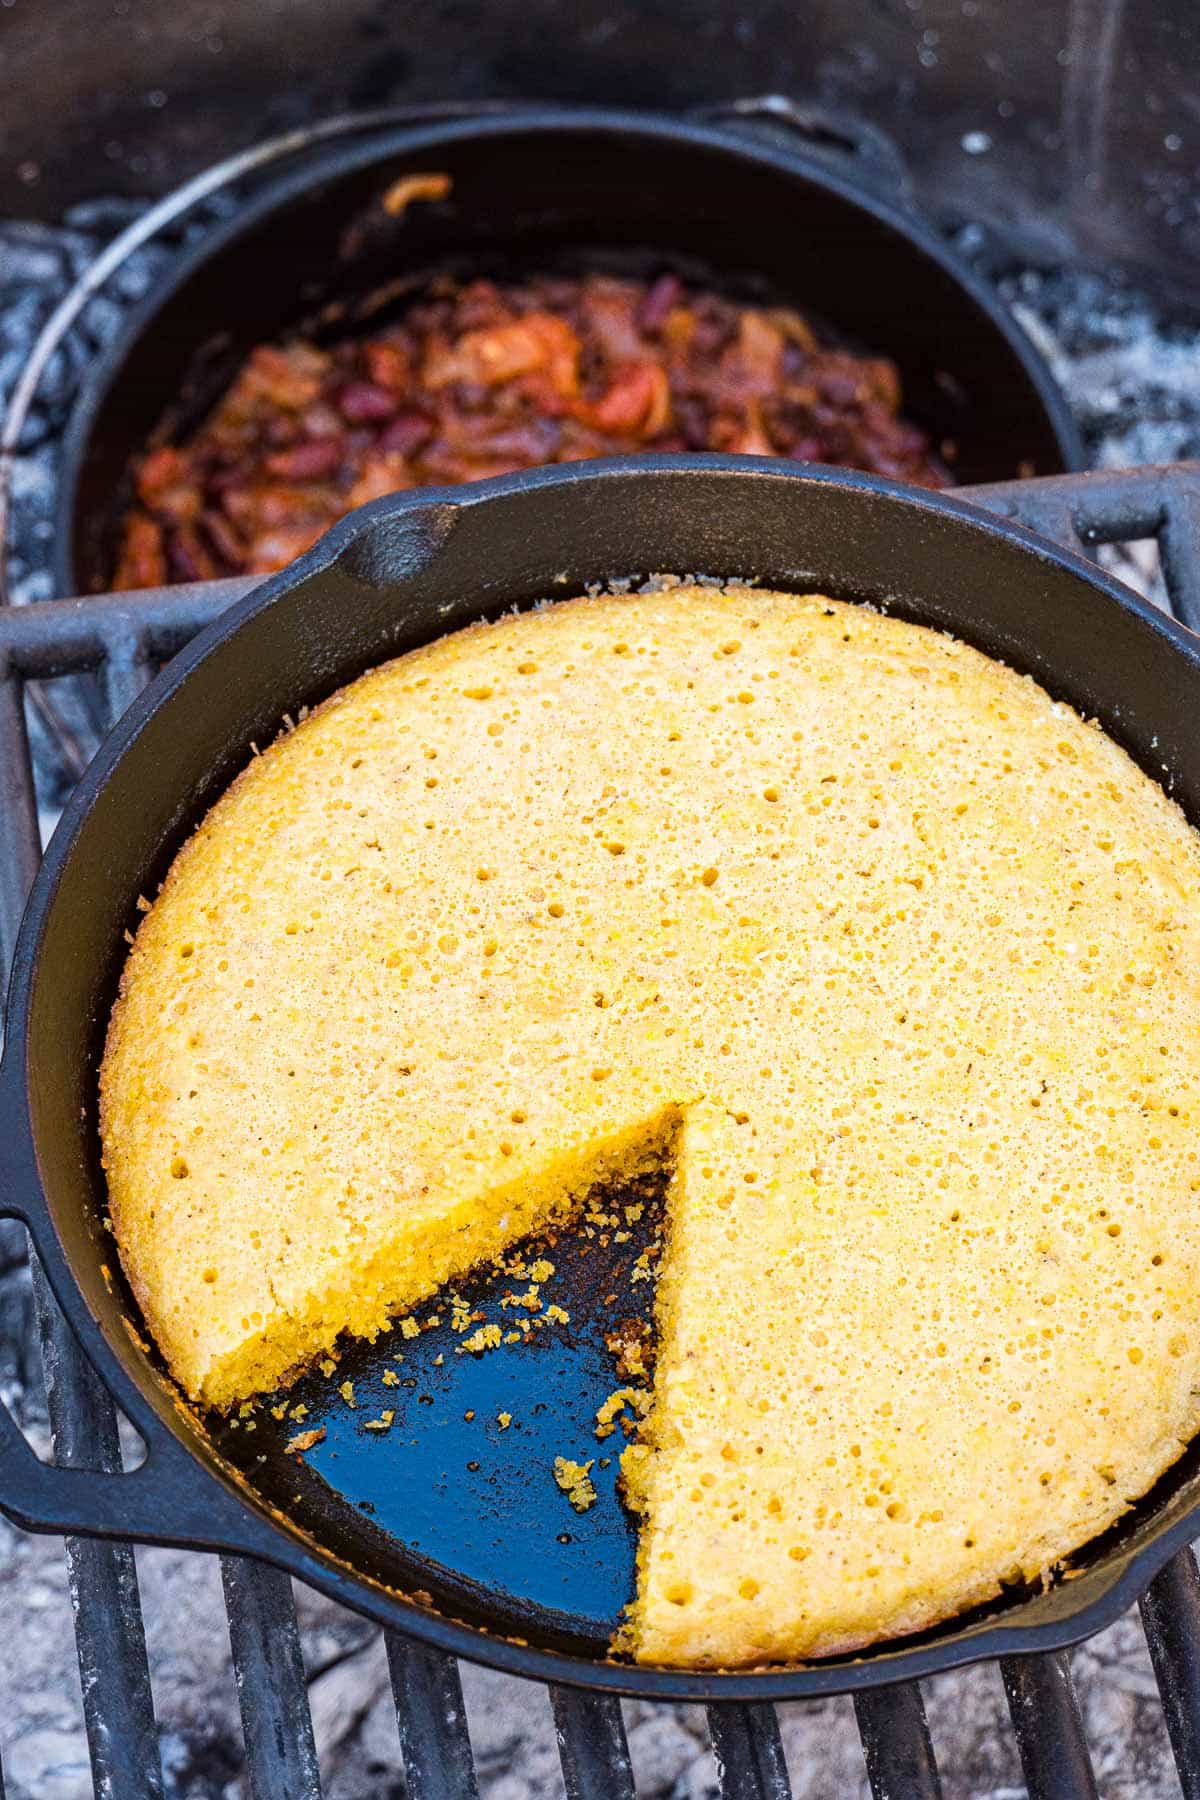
pixel 899 955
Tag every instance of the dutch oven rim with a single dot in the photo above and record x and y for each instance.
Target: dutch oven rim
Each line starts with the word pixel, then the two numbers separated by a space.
pixel 177 1497
pixel 330 161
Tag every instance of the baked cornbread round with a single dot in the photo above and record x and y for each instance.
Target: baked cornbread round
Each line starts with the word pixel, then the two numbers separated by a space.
pixel 892 957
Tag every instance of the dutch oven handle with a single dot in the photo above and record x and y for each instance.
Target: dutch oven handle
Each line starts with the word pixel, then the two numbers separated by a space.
pixel 171 1498
pixel 847 144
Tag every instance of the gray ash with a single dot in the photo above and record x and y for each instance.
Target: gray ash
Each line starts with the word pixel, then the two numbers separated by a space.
pixel 1130 370
pixel 39 264
pixel 1131 374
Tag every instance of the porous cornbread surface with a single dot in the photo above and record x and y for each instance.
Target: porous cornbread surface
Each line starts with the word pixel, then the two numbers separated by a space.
pixel 894 958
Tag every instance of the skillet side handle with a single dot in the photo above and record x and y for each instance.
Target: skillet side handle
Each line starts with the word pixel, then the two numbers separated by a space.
pixel 172 1498
pixel 839 139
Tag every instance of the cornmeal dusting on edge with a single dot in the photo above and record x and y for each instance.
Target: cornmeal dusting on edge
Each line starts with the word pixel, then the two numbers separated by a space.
pixel 893 960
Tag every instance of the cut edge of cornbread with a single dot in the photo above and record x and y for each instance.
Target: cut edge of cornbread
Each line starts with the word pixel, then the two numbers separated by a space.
pixel 645 1635
pixel 642 1639
pixel 400 1274
pixel 1040 1562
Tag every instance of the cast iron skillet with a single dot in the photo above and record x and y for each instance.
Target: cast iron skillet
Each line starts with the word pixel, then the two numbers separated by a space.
pixel 537 189
pixel 473 1562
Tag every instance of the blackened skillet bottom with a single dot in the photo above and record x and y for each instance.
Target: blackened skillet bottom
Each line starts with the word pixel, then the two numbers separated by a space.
pixel 446 1501
pixel 464 1514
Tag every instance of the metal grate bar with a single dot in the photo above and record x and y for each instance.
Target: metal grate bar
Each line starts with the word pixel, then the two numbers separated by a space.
pixel 1171 1617
pixel 434 1745
pixel 1101 506
pixel 749 1752
pixel 591 1746
pixel 1115 507
pixel 1096 508
pixel 114 1670
pixel 1178 543
pixel 61 637
pixel 18 817
pixel 124 671
pixel 281 1757
pixel 896 1744
pixel 1045 1716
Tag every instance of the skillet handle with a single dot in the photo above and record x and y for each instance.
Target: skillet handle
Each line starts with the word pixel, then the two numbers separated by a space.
pixel 846 143
pixel 172 1498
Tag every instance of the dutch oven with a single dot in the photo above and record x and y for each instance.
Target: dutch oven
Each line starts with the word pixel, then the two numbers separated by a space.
pixel 787 210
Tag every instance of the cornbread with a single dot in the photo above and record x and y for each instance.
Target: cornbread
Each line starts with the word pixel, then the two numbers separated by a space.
pixel 891 959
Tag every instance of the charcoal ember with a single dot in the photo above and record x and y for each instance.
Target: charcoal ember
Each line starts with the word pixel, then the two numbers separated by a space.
pixel 60 380
pixel 36 257
pixel 50 1761
pixel 38 264
pixel 1129 369
pixel 101 320
pixel 105 217
pixel 661 1748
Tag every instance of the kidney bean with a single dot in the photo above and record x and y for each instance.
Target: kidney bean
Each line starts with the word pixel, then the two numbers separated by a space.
pixel 361 402
pixel 406 432
pixel 313 460
pixel 661 296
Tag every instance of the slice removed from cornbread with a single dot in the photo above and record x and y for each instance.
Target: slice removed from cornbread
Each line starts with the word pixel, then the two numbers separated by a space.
pixel 895 961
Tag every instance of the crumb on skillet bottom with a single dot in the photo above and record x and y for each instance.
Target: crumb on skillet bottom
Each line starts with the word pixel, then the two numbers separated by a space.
pixel 904 953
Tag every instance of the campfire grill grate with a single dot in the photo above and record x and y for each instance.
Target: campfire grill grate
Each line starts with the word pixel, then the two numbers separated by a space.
pixel 122 638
